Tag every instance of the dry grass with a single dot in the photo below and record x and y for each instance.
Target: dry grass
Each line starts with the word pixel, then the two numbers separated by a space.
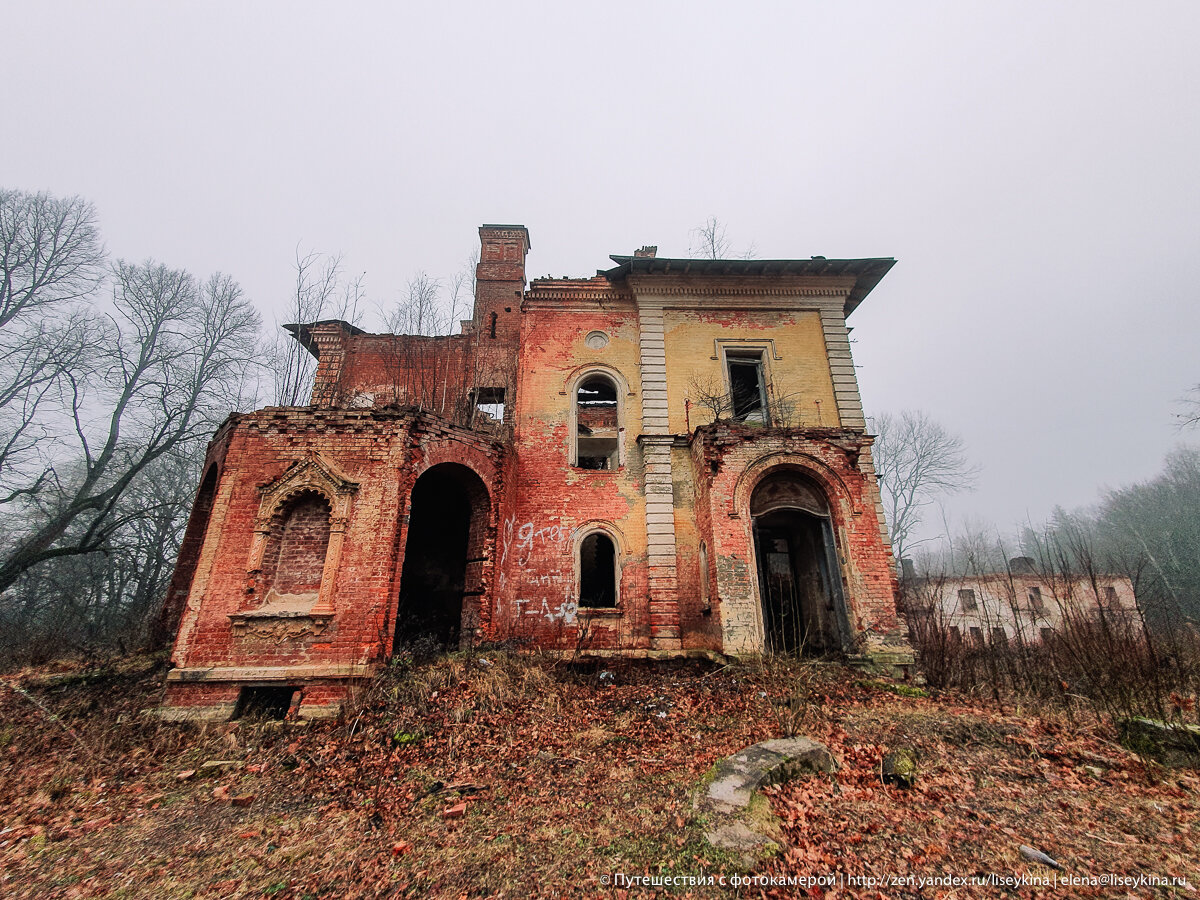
pixel 565 776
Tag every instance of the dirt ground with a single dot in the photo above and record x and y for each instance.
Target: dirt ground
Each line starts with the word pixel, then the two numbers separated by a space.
pixel 496 775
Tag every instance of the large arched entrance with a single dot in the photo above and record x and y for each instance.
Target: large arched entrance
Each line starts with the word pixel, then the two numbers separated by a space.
pixel 443 556
pixel 800 585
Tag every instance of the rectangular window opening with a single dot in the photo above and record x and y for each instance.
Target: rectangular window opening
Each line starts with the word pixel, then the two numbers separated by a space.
pixel 489 404
pixel 747 385
pixel 1036 604
pixel 265 702
pixel 597 453
pixel 1110 598
pixel 966 599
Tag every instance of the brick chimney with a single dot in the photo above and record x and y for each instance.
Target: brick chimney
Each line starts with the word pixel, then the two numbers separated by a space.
pixel 647 251
pixel 500 281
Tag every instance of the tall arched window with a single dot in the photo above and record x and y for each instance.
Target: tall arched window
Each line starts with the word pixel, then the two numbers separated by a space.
pixel 597 424
pixel 598 571
pixel 294 558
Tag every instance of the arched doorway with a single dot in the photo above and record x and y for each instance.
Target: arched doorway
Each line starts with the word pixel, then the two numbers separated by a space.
pixel 800 584
pixel 443 556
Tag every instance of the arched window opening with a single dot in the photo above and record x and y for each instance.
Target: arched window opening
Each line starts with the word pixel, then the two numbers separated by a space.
pixel 597 425
pixel 296 545
pixel 597 571
pixel 705 598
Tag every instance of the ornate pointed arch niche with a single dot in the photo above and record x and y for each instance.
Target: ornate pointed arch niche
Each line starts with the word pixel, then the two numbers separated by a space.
pixel 313 475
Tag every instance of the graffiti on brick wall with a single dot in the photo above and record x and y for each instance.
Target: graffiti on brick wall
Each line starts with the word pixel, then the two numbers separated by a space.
pixel 519 542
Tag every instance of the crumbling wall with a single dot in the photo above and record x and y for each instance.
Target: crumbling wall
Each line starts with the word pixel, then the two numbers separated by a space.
pixel 736 459
pixel 231 632
pixel 557 503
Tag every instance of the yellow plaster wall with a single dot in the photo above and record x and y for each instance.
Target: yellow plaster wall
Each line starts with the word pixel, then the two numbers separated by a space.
pixel 803 370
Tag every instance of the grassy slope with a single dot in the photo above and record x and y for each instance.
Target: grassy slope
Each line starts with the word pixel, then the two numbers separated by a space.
pixel 566 777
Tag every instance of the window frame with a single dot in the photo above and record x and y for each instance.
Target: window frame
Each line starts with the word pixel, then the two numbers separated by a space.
pixel 748 354
pixel 621 388
pixel 968 600
pixel 1037 603
pixel 582 534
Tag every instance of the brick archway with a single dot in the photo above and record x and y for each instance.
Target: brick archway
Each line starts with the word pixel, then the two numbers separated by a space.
pixel 800 586
pixel 441 589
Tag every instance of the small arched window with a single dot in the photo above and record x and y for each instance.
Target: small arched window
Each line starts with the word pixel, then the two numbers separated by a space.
pixel 294 557
pixel 598 571
pixel 705 599
pixel 597 424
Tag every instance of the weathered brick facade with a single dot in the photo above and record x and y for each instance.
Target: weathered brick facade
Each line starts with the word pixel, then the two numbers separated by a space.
pixel 562 473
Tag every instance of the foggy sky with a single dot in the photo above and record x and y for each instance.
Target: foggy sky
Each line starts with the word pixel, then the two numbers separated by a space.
pixel 1031 165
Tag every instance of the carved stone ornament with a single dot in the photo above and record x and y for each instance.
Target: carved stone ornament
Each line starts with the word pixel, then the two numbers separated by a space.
pixel 311 473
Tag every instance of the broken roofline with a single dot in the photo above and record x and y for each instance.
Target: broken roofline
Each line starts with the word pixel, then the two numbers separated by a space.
pixel 866 272
pixel 302 332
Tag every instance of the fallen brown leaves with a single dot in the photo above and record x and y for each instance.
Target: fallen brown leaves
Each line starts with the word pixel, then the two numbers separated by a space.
pixel 522 778
pixel 988 784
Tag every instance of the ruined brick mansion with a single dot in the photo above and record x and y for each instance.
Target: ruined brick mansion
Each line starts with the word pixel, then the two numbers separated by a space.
pixel 667 459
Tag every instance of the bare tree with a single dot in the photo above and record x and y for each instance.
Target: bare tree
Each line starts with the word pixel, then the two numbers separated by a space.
pixel 1190 417
pixel 422 311
pixel 161 369
pixel 50 258
pixel 50 251
pixel 320 292
pixel 711 394
pixel 709 240
pixel 916 461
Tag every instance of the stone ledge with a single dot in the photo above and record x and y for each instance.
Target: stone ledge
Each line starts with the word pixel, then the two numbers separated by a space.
pixel 223 712
pixel 729 796
pixel 269 673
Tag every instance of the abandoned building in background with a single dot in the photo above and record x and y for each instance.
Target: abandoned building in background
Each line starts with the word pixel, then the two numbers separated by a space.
pixel 1022 604
pixel 667 459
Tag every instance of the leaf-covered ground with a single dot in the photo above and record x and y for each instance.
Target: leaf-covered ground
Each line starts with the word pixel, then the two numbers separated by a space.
pixel 494 775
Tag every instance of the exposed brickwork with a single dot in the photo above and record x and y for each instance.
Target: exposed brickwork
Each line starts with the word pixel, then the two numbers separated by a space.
pixel 295 549
pixel 294 560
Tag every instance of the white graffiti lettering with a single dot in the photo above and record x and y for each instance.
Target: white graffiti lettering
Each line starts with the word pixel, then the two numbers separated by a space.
pixel 528 538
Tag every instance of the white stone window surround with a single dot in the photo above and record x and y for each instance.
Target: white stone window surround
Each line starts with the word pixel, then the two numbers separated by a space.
pixel 584 531
pixel 571 389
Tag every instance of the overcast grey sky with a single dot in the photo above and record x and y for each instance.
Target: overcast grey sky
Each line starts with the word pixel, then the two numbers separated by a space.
pixel 1032 165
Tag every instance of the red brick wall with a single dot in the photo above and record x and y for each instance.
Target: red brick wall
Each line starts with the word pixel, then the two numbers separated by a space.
pixel 743 456
pixel 295 554
pixel 537 590
pixel 383 453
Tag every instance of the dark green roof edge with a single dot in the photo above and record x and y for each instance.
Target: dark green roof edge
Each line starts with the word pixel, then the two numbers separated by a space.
pixel 867 272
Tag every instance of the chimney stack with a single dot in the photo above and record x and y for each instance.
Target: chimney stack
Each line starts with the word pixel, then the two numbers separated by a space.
pixel 647 252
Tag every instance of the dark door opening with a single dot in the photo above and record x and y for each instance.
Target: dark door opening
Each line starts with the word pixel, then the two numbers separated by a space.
pixel 799 598
pixel 433 578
